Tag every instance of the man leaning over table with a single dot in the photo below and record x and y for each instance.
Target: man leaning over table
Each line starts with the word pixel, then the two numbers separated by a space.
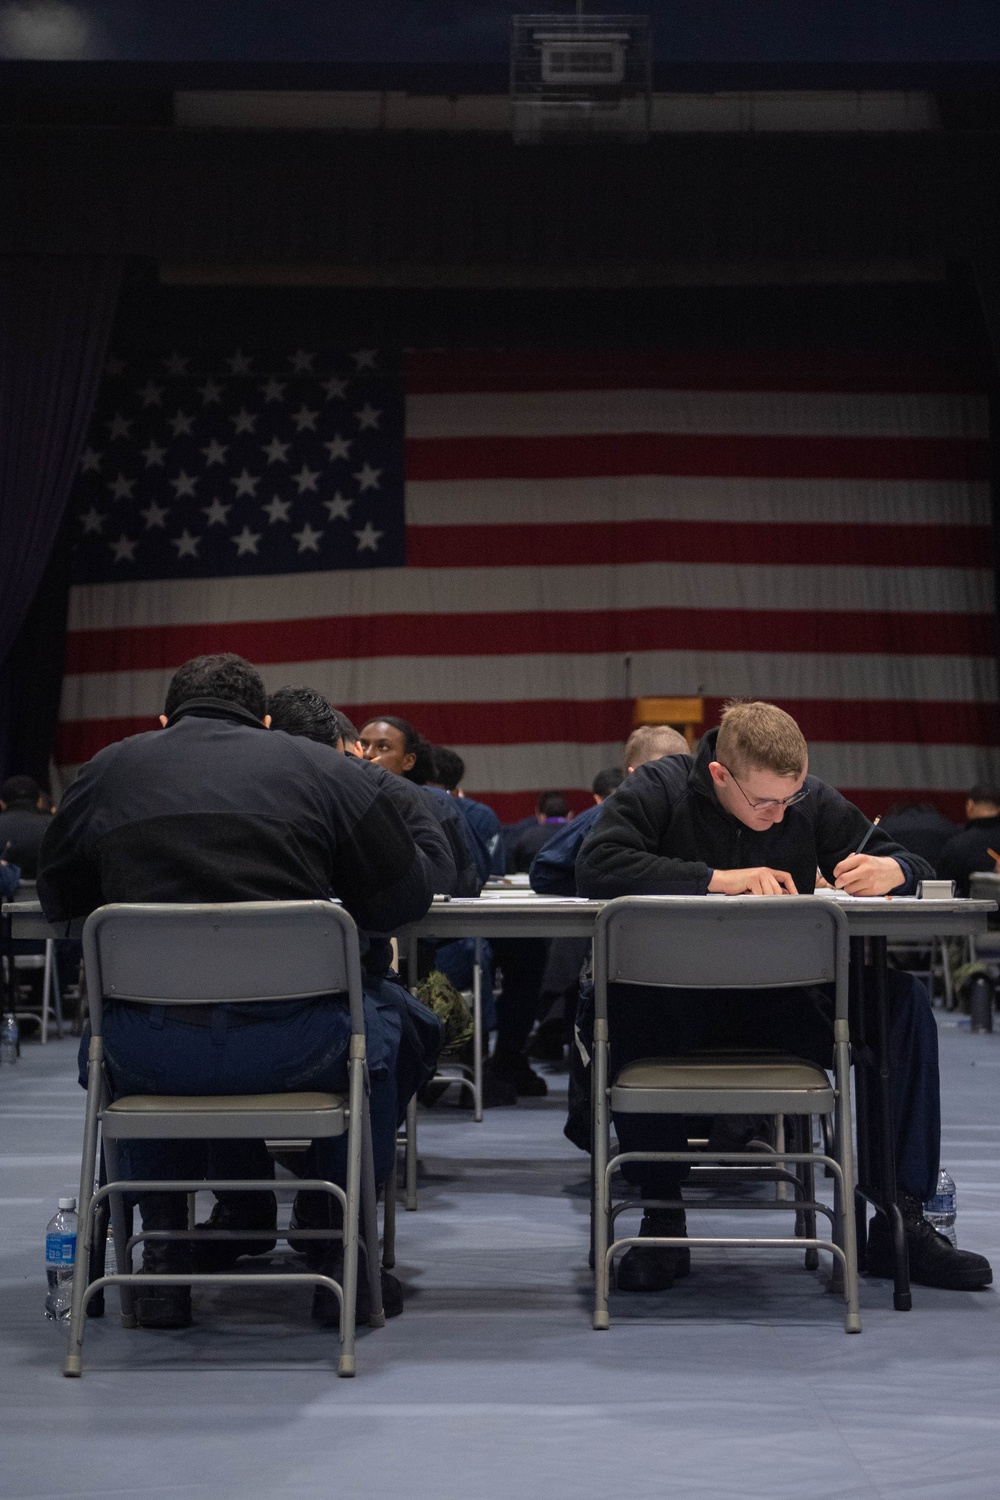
pixel 743 817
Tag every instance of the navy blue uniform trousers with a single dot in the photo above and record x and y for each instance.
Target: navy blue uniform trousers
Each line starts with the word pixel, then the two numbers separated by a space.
pixel 648 1022
pixel 267 1048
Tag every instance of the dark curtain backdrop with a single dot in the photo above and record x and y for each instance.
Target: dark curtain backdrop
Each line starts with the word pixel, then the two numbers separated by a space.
pixel 55 319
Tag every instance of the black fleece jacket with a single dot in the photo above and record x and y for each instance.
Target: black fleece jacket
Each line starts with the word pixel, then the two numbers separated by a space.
pixel 216 808
pixel 665 832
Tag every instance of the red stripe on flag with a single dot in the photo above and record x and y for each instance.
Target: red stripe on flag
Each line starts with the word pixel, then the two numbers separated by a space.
pixel 446 371
pixel 716 456
pixel 741 543
pixel 155 648
pixel 588 722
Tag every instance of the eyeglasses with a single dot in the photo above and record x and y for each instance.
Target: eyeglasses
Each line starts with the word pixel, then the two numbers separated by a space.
pixel 766 804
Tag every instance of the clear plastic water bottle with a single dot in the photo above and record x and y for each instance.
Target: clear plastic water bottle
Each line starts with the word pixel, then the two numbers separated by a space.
pixel 10 1039
pixel 940 1210
pixel 60 1253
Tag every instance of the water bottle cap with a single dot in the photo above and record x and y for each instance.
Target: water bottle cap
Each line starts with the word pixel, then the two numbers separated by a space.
pixel 67 1203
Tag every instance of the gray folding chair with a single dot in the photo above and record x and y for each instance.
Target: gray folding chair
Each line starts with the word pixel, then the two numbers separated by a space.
pixel 738 942
pixel 217 954
pixel 51 1000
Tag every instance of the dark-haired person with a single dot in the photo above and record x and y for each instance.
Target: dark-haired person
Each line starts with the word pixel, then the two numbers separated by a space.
pixel 552 814
pixel 745 818
pixel 449 769
pixel 967 851
pixel 920 827
pixel 24 817
pixel 211 807
pixel 396 746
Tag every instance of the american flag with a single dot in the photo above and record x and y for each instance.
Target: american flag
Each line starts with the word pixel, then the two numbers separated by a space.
pixel 580 528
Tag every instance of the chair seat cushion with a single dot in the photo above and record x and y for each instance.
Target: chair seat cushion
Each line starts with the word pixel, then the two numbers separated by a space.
pixel 203 1104
pixel 723 1083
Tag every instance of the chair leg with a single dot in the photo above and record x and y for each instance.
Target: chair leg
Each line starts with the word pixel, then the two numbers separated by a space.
pixel 389 1221
pixel 57 1004
pixel 411 1156
pixel 807 1177
pixel 348 1364
pixel 73 1362
pixel 120 1230
pixel 849 1244
pixel 369 1207
pixel 477 1033
pixel 46 990
pixel 601 1193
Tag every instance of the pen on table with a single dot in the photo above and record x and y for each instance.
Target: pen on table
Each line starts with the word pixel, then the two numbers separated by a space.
pixel 868 835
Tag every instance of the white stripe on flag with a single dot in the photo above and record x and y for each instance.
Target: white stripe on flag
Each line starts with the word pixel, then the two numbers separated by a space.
pixel 657 497
pixel 432 591
pixel 753 413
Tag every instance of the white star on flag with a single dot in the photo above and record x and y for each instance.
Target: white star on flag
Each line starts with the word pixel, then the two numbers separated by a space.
pixel 367 478
pixel 239 363
pixel 215 453
pixel 301 362
pixel 246 484
pixel 152 395
pixel 181 423
pixel 368 538
pixel 210 392
pixel 217 512
pixel 153 454
pixel 246 541
pixel 274 390
pixel 277 510
pixel 244 420
pixel 338 447
pixel 277 451
pixel 124 549
pixel 118 426
pixel 186 544
pixel 339 507
pixel 175 364
pixel 335 388
pixel 156 515
pixel 93 521
pixel 121 488
pixel 307 539
pixel 304 418
pixel 364 359
pixel 367 417
pixel 306 479
pixel 183 485
pixel 91 460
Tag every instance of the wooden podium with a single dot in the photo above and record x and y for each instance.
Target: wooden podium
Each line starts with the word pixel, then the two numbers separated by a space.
pixel 685 714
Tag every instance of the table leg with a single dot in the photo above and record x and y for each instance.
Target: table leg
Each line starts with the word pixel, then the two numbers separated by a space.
pixel 477 1032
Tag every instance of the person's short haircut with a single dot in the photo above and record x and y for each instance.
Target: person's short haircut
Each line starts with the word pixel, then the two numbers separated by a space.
pixel 552 805
pixel 653 742
pixel 449 767
pixel 761 737
pixel 303 711
pixel 422 770
pixel 607 781
pixel 20 789
pixel 983 791
pixel 225 676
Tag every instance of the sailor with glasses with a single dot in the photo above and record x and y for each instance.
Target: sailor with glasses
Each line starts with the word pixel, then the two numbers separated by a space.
pixel 745 817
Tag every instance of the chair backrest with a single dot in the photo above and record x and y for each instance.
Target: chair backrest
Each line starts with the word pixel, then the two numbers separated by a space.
pixel 985 887
pixel 160 954
pixel 721 942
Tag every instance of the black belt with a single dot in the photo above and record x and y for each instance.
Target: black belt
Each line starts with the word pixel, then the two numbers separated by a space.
pixel 198 1015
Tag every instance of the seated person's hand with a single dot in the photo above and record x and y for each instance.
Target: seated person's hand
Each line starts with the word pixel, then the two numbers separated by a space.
pixel 822 884
pixel 868 875
pixel 759 881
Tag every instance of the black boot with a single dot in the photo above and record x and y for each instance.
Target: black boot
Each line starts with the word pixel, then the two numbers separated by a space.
pixel 934 1261
pixel 655 1269
pixel 164 1306
pixel 514 1069
pixel 236 1211
pixel 314 1210
pixel 326 1308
